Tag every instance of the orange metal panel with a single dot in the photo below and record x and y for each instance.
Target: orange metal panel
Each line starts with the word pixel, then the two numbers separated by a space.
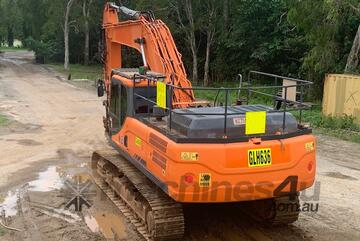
pixel 231 178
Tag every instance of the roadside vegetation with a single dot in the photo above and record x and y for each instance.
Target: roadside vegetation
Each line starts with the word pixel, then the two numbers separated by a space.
pixel 10 49
pixel 3 120
pixel 2 231
pixel 79 72
pixel 343 127
pixel 217 40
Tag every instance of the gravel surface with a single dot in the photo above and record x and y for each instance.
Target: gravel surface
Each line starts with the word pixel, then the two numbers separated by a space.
pixel 54 127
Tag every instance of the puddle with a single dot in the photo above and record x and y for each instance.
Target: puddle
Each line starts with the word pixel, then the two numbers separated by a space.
pixel 71 170
pixel 47 181
pixel 43 199
pixel 13 60
pixel 59 213
pixel 15 126
pixel 54 176
pixel 28 142
pixel 9 203
pixel 25 142
pixel 109 224
pixel 82 177
pixel 92 224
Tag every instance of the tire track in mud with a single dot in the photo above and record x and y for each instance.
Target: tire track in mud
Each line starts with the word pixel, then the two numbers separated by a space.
pixel 42 222
pixel 41 214
pixel 31 230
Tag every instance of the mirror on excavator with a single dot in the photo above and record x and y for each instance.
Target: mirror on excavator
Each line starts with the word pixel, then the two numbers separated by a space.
pixel 100 88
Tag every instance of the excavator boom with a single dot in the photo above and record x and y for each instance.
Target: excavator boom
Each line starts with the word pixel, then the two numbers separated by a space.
pixel 153 40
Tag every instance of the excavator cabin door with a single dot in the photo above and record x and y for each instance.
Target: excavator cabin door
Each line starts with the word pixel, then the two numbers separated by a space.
pixel 118 106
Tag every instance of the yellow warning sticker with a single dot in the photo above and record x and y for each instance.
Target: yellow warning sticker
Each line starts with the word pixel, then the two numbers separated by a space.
pixel 189 156
pixel 138 141
pixel 309 146
pixel 161 94
pixel 204 179
pixel 255 122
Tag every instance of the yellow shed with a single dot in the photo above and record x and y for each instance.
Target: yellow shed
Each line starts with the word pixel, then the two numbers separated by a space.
pixel 342 95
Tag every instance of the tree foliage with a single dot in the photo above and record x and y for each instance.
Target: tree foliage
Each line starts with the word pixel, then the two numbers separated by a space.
pixel 218 39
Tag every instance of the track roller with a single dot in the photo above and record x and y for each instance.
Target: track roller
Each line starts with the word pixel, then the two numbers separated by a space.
pixel 157 216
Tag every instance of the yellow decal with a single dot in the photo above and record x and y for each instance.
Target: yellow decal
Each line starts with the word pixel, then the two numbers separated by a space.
pixel 204 179
pixel 309 146
pixel 161 94
pixel 259 157
pixel 255 123
pixel 189 156
pixel 138 141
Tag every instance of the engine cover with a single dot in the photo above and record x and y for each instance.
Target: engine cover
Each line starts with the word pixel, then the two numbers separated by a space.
pixel 203 124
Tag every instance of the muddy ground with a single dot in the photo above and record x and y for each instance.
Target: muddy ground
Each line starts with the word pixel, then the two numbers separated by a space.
pixel 45 152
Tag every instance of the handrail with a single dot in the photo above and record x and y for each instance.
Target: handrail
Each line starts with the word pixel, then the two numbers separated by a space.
pixel 278 76
pixel 300 106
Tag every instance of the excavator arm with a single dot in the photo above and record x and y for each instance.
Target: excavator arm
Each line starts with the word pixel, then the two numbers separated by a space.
pixel 153 40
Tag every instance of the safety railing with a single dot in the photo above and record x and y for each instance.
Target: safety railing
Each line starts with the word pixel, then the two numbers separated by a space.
pixel 288 97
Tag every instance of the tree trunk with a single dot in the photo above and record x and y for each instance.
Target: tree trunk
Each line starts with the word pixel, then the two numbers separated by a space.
pixel 66 33
pixel 210 34
pixel 86 15
pixel 10 38
pixel 189 30
pixel 207 58
pixel 353 58
pixel 194 57
pixel 192 39
pixel 86 47
pixel 226 15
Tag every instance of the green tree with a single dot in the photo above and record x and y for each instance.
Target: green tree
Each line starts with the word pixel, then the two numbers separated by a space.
pixel 353 57
pixel 11 21
pixel 329 27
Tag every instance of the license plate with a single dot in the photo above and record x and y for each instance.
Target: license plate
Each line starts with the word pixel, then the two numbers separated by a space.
pixel 259 157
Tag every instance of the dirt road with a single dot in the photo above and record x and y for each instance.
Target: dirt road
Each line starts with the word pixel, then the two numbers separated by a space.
pixel 45 150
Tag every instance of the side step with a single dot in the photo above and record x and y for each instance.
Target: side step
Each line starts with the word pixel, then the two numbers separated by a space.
pixel 156 216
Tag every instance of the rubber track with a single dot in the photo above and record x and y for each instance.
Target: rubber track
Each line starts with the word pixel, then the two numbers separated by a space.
pixel 168 214
pixel 274 212
pixel 287 211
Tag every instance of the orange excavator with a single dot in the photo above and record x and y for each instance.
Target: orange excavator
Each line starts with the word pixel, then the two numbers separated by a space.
pixel 168 148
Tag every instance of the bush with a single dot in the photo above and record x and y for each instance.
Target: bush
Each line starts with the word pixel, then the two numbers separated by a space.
pixel 3 120
pixel 44 51
pixel 343 127
pixel 344 122
pixel 2 232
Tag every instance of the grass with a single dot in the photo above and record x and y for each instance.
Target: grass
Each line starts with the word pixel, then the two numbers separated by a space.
pixel 2 232
pixel 3 120
pixel 343 127
pixel 77 71
pixel 11 49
